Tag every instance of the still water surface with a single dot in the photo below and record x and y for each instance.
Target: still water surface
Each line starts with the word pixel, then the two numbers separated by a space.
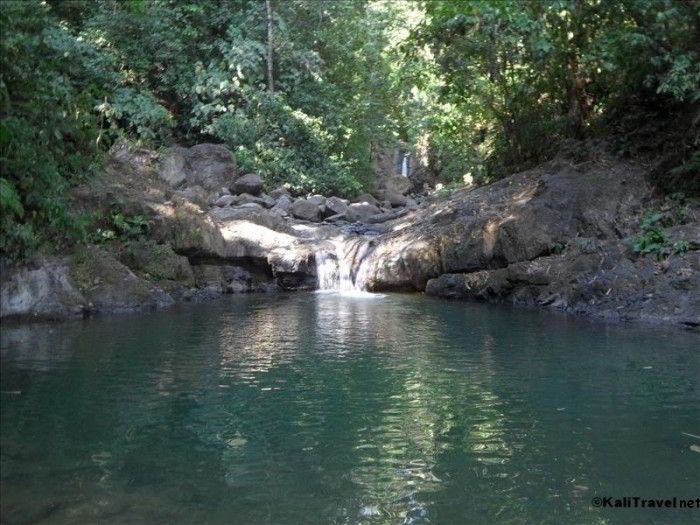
pixel 318 408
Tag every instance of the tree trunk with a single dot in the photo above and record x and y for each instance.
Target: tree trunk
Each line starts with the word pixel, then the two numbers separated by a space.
pixel 270 77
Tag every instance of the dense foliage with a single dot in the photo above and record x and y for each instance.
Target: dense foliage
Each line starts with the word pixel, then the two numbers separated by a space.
pixel 474 89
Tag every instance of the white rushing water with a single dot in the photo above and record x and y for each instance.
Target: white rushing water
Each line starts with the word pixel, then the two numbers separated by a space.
pixel 404 166
pixel 340 268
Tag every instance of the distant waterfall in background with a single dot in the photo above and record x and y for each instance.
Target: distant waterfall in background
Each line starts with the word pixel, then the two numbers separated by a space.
pixel 404 166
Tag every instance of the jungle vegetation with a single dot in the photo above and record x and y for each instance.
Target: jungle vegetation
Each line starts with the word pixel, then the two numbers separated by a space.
pixel 306 92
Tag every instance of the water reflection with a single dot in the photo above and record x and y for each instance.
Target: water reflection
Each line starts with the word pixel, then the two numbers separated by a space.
pixel 322 408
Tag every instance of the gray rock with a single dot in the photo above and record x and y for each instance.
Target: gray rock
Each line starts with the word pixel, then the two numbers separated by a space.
pixel 250 206
pixel 318 200
pixel 366 198
pixel 245 198
pixel 283 204
pixel 250 183
pixel 195 194
pixel 268 201
pixel 335 206
pixel 396 199
pixel 388 216
pixel 337 217
pixel 224 200
pixel 46 290
pixel 210 166
pixel 172 167
pixel 303 209
pixel 360 212
pixel 278 192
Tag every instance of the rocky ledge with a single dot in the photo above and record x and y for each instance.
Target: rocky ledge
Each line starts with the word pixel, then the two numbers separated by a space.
pixel 558 236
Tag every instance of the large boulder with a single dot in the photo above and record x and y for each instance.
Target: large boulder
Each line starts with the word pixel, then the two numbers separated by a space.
pixel 225 200
pixel 335 206
pixel 172 168
pixel 250 183
pixel 366 198
pixel 361 212
pixel 247 198
pixel 318 200
pixel 283 204
pixel 306 210
pixel 278 192
pixel 195 194
pixel 44 290
pixel 395 198
pixel 211 166
pixel 110 286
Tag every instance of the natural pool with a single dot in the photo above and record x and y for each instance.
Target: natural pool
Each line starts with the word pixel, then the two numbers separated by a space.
pixel 319 408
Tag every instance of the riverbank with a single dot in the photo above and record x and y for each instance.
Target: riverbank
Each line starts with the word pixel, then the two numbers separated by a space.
pixel 561 236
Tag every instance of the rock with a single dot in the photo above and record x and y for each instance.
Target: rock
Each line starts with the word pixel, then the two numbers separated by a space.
pixel 396 199
pixel 303 209
pixel 318 200
pixel 366 198
pixel 173 167
pixel 360 212
pixel 214 279
pixel 158 262
pixel 195 194
pixel 250 183
pixel 388 216
pixel 224 200
pixel 283 204
pixel 109 286
pixel 484 285
pixel 335 206
pixel 210 166
pixel 45 290
pixel 279 192
pixel 337 217
pixel 379 194
pixel 398 184
pixel 250 206
pixel 294 267
pixel 267 201
pixel 247 198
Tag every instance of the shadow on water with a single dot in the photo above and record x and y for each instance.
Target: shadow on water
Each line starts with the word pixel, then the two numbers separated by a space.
pixel 314 408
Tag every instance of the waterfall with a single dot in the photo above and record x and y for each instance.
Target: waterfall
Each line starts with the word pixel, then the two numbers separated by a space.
pixel 404 166
pixel 340 269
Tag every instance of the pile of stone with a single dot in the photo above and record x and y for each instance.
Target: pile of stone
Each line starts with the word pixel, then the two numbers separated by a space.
pixel 207 175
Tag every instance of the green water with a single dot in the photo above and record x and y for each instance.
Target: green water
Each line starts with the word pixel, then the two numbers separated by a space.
pixel 316 408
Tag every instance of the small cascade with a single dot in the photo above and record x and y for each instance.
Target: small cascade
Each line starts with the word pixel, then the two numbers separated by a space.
pixel 341 269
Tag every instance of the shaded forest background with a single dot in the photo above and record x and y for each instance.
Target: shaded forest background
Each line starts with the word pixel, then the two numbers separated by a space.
pixel 308 93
